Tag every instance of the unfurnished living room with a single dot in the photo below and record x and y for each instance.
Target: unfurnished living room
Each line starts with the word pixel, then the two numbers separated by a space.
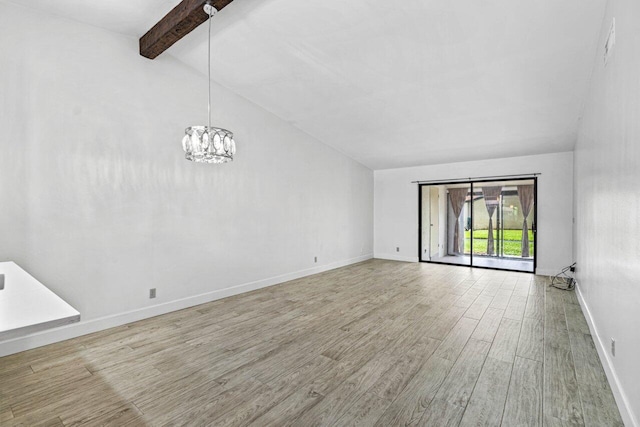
pixel 319 213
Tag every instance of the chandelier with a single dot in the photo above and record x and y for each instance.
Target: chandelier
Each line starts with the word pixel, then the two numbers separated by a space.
pixel 206 144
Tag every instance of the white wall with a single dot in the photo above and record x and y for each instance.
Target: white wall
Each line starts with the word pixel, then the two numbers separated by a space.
pixel 396 204
pixel 607 204
pixel 100 205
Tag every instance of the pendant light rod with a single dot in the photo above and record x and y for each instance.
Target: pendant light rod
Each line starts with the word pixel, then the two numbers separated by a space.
pixel 210 10
pixel 208 144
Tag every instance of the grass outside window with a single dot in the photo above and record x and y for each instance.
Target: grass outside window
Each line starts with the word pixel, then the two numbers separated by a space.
pixel 512 242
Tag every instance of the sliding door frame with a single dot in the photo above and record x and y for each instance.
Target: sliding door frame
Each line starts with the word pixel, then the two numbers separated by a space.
pixel 534 226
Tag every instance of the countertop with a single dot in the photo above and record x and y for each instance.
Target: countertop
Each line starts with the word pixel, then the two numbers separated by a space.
pixel 28 306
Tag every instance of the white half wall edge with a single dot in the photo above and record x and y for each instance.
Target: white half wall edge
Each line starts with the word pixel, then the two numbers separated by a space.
pixel 28 342
pixel 392 257
pixel 627 415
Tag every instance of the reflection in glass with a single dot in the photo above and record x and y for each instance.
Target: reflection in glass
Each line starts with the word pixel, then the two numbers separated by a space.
pixel 446 217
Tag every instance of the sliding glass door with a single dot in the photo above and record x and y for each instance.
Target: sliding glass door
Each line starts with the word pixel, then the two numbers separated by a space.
pixel 490 224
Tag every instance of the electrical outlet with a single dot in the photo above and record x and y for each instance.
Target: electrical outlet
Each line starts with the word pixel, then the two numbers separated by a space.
pixel 152 293
pixel 397 249
pixel 315 259
pixel 613 347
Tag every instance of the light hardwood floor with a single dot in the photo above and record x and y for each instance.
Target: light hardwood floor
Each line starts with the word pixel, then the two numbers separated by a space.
pixel 379 343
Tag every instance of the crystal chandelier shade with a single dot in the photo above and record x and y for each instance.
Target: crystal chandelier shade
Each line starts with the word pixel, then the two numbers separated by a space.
pixel 204 144
pixel 207 144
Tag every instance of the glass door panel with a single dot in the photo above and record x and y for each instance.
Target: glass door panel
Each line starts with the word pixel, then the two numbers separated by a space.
pixel 425 223
pixel 499 239
pixel 430 223
pixel 445 223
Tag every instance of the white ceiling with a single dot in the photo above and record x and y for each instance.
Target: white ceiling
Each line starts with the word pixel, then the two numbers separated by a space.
pixel 394 84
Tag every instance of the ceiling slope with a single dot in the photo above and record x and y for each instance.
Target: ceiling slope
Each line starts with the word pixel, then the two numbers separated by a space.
pixel 394 84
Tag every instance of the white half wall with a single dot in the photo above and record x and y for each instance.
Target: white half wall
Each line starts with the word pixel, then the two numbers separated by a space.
pixel 607 205
pixel 100 205
pixel 396 204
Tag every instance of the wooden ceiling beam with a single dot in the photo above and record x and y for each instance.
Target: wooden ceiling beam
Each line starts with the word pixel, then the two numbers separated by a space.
pixel 182 19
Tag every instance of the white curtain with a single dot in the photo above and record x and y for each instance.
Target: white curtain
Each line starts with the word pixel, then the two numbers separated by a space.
pixel 491 196
pixel 457 196
pixel 525 194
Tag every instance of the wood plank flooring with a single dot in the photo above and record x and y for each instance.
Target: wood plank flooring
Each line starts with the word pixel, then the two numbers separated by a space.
pixel 377 343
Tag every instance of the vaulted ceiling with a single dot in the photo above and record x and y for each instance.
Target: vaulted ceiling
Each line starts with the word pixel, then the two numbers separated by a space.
pixel 394 84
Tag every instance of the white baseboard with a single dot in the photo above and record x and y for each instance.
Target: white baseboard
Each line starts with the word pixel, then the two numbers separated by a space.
pixel 628 417
pixel 74 330
pixel 393 257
